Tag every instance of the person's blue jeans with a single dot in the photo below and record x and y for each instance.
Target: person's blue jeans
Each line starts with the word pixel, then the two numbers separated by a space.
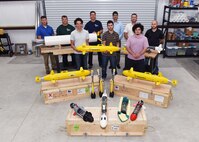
pixel 81 61
pixel 66 62
pixel 105 59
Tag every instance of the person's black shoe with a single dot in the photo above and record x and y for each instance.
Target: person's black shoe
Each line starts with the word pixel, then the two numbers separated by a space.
pixel 118 66
pixel 110 67
pixel 54 68
pixel 74 67
pixel 90 66
pixel 47 72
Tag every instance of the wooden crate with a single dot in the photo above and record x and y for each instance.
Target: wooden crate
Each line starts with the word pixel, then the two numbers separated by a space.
pixel 75 126
pixel 68 89
pixel 56 50
pixel 147 91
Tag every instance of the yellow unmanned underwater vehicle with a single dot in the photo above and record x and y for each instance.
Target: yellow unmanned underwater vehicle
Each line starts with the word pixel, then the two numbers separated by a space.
pixel 158 79
pixel 99 48
pixel 63 75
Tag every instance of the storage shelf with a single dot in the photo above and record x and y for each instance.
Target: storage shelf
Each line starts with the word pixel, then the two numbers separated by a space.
pixel 182 25
pixel 196 40
pixel 18 28
pixel 166 25
pixel 181 56
pixel 182 8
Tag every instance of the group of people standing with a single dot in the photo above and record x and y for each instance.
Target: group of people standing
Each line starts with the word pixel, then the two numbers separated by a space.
pixel 136 42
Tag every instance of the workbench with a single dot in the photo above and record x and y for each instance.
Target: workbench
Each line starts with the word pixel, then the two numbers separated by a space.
pixel 152 57
pixel 57 50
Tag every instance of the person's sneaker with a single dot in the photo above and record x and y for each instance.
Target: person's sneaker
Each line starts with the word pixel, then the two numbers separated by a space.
pixel 118 66
pixel 47 72
pixel 103 78
pixel 54 68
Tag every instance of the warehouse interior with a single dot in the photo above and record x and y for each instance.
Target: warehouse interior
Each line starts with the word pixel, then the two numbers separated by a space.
pixel 24 117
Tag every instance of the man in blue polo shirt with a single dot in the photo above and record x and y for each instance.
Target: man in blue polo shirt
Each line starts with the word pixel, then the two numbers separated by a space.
pixel 118 27
pixel 94 26
pixel 45 30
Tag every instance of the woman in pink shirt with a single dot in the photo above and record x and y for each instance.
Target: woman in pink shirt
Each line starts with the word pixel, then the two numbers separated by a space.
pixel 136 47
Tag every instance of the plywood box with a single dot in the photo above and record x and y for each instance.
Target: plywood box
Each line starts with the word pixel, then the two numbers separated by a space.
pixel 68 89
pixel 147 91
pixel 77 127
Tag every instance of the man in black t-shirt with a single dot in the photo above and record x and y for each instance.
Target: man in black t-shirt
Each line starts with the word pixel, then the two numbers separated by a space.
pixel 155 38
pixel 94 26
pixel 65 29
pixel 154 35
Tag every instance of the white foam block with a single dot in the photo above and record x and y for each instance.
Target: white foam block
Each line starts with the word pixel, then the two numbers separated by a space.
pixel 64 39
pixel 57 40
pixel 92 37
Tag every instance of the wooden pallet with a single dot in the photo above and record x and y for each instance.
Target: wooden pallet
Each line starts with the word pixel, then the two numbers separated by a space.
pixel 147 91
pixel 77 127
pixel 57 50
pixel 68 89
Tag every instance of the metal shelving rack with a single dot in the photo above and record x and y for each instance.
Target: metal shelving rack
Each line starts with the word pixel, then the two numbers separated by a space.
pixel 166 25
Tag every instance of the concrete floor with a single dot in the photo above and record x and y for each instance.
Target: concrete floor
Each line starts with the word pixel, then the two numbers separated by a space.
pixel 25 118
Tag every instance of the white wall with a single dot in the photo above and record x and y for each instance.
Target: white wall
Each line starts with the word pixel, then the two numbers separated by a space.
pixel 18 14
pixel 22 36
pixel 160 10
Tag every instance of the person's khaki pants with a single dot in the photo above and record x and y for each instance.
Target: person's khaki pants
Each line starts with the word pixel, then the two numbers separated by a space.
pixel 46 61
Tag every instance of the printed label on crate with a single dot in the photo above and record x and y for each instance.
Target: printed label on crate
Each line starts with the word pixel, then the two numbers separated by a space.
pixel 117 88
pixel 81 91
pixel 144 95
pixel 159 98
pixel 87 89
pixel 69 92
pixel 50 96
pixel 76 127
pixel 115 127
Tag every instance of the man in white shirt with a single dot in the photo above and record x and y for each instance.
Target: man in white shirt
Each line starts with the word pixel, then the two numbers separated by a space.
pixel 129 32
pixel 78 37
pixel 128 29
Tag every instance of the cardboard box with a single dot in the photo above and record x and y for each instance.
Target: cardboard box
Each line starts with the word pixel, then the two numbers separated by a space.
pixel 189 31
pixel 182 44
pixel 68 89
pixel 147 91
pixel 1 31
pixel 75 126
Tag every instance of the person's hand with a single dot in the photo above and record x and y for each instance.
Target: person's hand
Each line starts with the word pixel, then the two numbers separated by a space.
pixel 106 52
pixel 136 55
pixel 76 50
